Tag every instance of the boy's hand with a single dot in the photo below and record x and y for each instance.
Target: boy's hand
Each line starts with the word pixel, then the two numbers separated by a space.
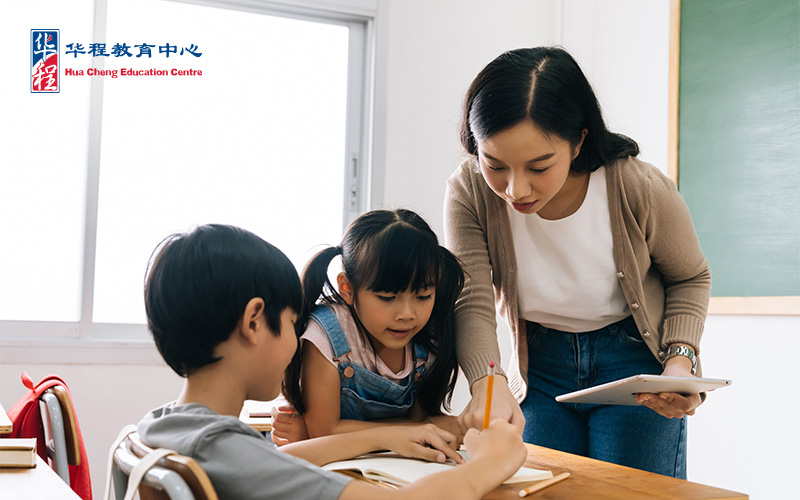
pixel 425 441
pixel 450 424
pixel 287 426
pixel 500 444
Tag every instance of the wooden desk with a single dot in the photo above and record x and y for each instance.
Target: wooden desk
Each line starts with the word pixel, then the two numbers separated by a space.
pixel 589 479
pixel 261 424
pixel 36 483
pixel 596 480
pixel 5 422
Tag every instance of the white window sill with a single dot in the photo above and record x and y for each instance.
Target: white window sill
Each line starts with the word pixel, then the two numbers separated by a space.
pixel 59 351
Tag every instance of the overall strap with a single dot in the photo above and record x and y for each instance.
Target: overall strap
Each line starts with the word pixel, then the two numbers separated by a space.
pixel 419 353
pixel 327 319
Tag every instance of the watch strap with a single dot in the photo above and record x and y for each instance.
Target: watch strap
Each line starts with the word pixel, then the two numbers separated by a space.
pixel 681 350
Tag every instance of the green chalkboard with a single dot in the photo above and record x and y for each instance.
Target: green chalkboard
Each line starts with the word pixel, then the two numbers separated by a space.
pixel 739 141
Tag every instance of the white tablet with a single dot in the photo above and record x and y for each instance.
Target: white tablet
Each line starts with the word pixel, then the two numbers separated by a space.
pixel 623 391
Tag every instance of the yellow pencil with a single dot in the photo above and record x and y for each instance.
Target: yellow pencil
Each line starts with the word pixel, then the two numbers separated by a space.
pixel 487 413
pixel 544 484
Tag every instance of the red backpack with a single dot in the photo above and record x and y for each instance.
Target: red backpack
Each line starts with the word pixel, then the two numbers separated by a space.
pixel 27 421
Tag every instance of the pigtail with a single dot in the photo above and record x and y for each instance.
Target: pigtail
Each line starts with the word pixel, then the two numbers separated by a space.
pixel 436 390
pixel 316 285
pixel 290 386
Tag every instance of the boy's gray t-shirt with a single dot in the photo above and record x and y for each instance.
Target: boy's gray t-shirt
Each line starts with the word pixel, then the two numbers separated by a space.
pixel 240 462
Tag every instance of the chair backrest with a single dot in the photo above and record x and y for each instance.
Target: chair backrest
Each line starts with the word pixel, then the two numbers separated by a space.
pixel 174 477
pixel 70 427
pixel 61 431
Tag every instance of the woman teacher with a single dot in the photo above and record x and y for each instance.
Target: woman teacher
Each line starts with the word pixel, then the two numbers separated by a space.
pixel 588 253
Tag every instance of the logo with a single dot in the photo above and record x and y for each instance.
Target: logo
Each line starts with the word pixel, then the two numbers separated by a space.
pixel 45 61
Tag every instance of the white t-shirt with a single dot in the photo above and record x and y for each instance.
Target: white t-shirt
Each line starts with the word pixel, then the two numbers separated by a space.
pixel 566 276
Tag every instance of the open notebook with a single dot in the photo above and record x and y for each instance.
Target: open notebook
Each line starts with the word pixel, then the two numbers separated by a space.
pixel 394 469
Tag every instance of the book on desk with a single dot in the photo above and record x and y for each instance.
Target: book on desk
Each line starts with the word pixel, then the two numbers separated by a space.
pixel 260 409
pixel 17 452
pixel 257 414
pixel 395 469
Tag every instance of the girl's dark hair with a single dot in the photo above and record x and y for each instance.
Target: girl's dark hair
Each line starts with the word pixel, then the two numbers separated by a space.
pixel 199 283
pixel 391 251
pixel 545 85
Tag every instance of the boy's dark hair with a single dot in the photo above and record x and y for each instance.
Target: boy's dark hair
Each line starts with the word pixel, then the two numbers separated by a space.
pixel 392 251
pixel 544 85
pixel 198 285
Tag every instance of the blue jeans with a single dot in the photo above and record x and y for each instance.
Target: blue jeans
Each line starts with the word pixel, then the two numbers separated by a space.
pixel 634 436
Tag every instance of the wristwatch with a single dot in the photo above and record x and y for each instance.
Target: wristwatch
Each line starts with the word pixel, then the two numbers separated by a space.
pixel 680 350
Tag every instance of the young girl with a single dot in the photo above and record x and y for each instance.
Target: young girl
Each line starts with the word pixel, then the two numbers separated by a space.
pixel 381 344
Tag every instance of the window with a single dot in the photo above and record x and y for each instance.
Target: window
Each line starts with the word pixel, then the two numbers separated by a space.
pixel 43 156
pixel 269 138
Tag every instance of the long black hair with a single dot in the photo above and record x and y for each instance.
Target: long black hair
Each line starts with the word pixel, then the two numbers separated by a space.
pixel 545 85
pixel 391 251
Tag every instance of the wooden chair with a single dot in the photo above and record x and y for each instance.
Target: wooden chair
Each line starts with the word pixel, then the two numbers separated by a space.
pixel 61 432
pixel 173 477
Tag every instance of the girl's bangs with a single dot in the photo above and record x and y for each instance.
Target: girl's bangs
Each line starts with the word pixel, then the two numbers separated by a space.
pixel 400 259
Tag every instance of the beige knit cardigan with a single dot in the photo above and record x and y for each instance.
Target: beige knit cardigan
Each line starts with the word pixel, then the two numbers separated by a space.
pixel 664 276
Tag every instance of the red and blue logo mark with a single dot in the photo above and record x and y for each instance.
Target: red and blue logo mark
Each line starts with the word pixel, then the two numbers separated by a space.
pixel 45 61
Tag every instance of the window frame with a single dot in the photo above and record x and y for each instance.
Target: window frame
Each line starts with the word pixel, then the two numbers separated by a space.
pixel 85 341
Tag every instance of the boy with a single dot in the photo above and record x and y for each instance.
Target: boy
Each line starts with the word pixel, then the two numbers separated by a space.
pixel 221 305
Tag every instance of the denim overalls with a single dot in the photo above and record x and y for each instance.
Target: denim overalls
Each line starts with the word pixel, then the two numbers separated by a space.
pixel 366 395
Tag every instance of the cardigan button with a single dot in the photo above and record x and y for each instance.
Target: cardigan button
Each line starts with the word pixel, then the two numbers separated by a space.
pixel 620 274
pixel 635 306
pixel 660 354
pixel 646 333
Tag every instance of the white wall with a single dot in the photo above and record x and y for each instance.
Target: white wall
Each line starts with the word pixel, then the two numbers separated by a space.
pixel 435 50
pixel 430 51
pixel 623 47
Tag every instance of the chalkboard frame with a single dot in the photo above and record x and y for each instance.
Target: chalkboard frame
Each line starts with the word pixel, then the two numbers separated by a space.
pixel 789 305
